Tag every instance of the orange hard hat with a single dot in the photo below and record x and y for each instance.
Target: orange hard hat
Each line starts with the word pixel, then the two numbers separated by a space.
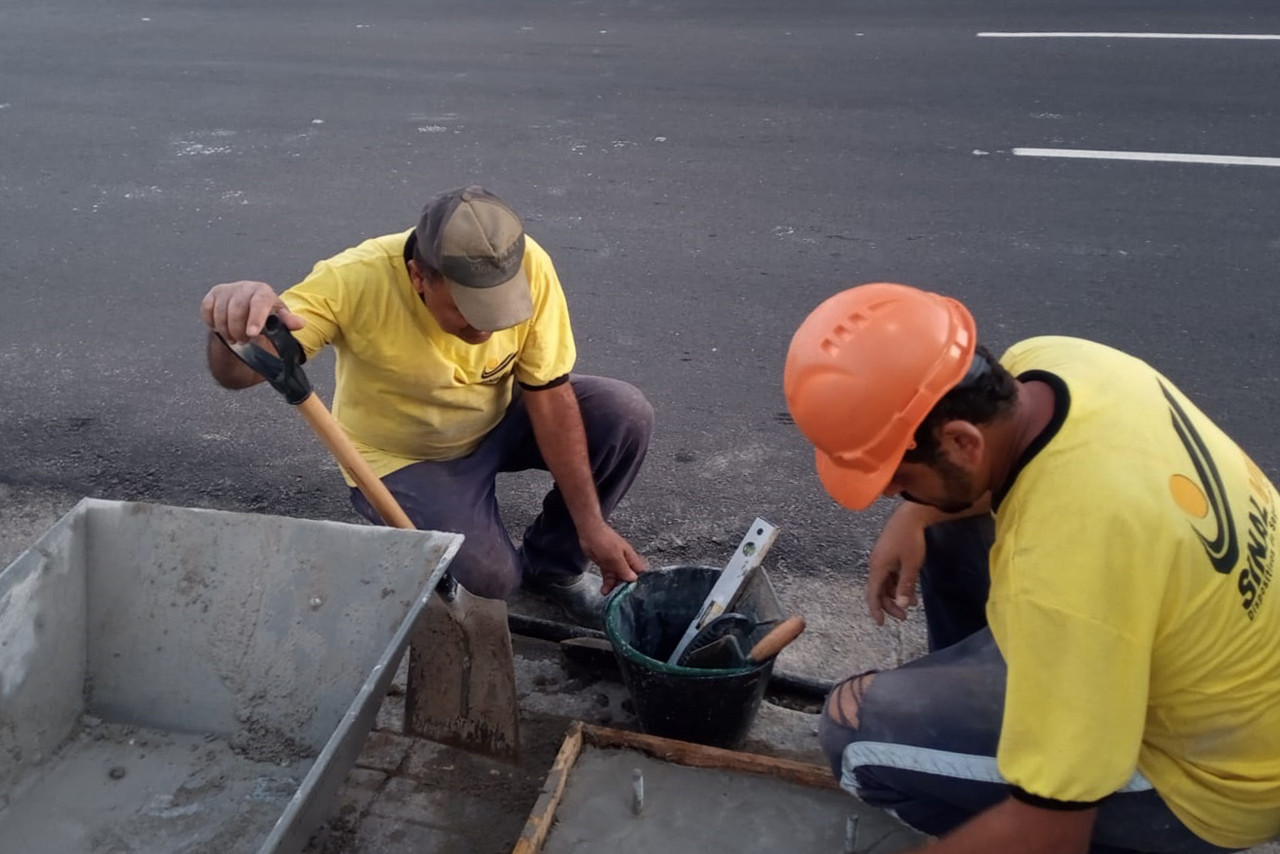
pixel 863 371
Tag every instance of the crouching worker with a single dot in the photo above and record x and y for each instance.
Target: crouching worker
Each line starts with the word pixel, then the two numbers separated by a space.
pixel 454 353
pixel 1095 557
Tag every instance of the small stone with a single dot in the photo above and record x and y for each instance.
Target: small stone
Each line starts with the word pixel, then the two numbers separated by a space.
pixel 117 772
pixel 90 721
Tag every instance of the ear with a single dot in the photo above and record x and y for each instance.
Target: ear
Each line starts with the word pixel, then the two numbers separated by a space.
pixel 416 276
pixel 962 441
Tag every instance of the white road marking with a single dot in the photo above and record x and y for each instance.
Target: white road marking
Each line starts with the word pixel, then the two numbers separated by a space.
pixel 1229 36
pixel 1149 156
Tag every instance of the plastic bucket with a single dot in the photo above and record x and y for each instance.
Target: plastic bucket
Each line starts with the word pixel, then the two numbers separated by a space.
pixel 645 620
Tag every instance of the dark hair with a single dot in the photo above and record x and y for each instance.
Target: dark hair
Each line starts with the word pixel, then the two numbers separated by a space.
pixel 426 269
pixel 987 393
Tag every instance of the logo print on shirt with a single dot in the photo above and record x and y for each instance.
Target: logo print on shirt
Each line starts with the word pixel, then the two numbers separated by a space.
pixel 1224 549
pixel 491 370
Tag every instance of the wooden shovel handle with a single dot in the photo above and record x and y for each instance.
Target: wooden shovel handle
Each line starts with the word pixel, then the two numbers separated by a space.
pixel 779 636
pixel 327 428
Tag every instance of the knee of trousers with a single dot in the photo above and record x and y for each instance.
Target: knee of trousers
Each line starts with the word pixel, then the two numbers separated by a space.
pixel 838 726
pixel 488 570
pixel 833 738
pixel 629 412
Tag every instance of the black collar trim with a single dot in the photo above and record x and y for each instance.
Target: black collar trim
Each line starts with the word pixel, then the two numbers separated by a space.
pixel 410 247
pixel 1061 406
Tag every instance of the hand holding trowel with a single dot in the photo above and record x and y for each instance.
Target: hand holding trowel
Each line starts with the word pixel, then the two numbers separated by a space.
pixel 462 688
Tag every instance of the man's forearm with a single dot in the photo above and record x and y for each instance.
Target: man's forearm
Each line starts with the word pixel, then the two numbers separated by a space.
pixel 1018 828
pixel 228 371
pixel 557 427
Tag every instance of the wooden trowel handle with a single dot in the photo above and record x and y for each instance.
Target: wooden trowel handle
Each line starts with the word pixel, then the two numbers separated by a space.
pixel 779 636
pixel 327 428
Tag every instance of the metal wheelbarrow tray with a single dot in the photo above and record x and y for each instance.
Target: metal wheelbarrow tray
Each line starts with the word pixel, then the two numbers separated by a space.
pixel 179 680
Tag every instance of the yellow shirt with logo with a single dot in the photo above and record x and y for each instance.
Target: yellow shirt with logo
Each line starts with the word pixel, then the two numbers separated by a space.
pixel 1130 599
pixel 407 391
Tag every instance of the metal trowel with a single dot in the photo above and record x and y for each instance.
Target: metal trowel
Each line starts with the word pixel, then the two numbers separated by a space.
pixel 731 627
pixel 725 652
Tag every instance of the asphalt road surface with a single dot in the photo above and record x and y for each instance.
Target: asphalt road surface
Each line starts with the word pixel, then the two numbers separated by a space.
pixel 702 173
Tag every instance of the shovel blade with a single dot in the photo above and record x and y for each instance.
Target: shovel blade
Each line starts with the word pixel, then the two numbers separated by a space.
pixel 461 687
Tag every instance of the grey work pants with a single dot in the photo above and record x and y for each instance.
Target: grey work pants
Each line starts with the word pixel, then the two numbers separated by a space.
pixel 927 732
pixel 458 495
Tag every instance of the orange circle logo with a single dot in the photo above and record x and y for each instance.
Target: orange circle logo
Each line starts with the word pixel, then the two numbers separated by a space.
pixel 1189 496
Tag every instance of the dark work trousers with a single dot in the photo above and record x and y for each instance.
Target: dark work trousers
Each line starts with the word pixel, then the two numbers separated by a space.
pixel 458 495
pixel 925 739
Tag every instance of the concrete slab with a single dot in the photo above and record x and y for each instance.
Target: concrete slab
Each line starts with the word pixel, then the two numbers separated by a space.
pixel 707 810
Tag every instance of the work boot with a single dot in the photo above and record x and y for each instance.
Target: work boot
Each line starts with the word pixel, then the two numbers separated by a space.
pixel 578 596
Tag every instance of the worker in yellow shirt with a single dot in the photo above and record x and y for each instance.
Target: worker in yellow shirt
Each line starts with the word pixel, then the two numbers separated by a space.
pixel 1095 557
pixel 454 354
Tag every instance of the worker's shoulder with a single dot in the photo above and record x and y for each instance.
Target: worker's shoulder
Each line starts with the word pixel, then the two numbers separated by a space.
pixel 1050 351
pixel 534 254
pixel 387 248
pixel 372 266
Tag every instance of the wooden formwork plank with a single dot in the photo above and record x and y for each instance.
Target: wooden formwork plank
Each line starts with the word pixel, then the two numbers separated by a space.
pixel 702 756
pixel 544 810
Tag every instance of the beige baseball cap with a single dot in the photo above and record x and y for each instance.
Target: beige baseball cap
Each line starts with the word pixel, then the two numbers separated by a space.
pixel 476 241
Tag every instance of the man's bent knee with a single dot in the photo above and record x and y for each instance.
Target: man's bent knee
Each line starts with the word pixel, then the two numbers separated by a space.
pixel 487 585
pixel 838 727
pixel 845 700
pixel 487 567
pixel 634 409
pixel 621 405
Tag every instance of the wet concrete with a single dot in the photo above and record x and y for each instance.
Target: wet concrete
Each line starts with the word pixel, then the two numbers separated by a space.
pixel 113 789
pixel 707 810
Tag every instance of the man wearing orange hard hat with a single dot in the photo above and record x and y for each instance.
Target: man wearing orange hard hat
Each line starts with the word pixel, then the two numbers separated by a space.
pixel 1095 556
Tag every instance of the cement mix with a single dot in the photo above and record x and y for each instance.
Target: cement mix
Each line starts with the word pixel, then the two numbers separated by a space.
pixel 116 789
pixel 706 810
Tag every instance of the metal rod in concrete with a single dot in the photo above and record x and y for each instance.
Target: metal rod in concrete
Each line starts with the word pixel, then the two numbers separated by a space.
pixel 851 835
pixel 637 792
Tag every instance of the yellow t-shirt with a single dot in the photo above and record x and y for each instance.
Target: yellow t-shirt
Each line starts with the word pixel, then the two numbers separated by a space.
pixel 1129 597
pixel 406 390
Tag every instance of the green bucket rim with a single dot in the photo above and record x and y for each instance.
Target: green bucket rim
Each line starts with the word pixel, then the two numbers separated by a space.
pixel 628 651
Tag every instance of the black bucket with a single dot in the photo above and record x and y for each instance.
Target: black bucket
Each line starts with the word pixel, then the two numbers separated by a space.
pixel 646 619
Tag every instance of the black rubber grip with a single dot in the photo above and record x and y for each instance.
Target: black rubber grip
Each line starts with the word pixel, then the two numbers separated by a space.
pixel 284 372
